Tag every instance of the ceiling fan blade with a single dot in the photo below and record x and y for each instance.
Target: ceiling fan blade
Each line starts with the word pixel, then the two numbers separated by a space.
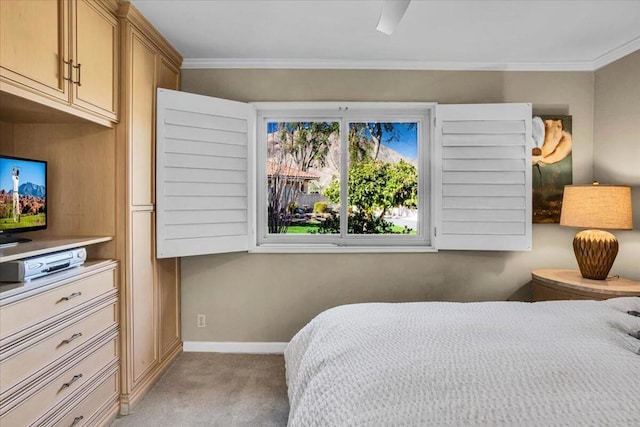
pixel 391 14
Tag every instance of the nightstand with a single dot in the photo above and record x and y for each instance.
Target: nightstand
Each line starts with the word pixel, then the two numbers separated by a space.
pixel 569 284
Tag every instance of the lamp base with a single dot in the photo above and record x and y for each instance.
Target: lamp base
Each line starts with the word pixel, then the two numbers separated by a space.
pixel 595 251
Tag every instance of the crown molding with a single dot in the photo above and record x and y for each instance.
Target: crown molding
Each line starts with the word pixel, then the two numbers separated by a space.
pixel 617 53
pixel 130 15
pixel 365 64
pixel 322 64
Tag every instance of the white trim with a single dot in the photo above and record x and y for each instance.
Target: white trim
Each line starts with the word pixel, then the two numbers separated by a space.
pixel 235 347
pixel 338 64
pixel 320 248
pixel 303 109
pixel 344 112
pixel 617 53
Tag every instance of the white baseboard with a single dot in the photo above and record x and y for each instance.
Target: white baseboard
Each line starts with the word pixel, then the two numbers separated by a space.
pixel 235 347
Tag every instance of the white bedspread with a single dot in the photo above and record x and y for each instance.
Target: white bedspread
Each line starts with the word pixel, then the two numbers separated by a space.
pixel 544 364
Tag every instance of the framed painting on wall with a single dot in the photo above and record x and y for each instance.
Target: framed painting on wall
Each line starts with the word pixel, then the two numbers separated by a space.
pixel 552 165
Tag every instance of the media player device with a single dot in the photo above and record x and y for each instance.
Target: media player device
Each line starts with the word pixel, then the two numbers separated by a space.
pixel 26 269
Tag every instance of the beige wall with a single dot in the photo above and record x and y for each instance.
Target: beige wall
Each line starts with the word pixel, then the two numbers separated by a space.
pixel 6 137
pixel 269 297
pixel 617 145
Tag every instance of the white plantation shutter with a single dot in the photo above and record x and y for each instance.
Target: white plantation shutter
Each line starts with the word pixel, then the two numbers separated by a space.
pixel 201 174
pixel 483 176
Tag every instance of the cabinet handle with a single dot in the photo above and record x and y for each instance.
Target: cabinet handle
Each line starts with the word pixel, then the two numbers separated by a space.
pixel 70 66
pixel 77 67
pixel 76 420
pixel 72 296
pixel 71 338
pixel 73 380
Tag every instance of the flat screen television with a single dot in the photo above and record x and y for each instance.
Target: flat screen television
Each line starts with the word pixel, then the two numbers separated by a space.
pixel 23 198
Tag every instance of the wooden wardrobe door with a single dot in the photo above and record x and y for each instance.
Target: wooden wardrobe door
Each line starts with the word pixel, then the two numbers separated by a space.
pixel 143 296
pixel 142 121
pixel 168 269
pixel 168 276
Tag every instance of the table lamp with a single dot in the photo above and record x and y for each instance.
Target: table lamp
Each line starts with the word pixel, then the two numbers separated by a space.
pixel 596 207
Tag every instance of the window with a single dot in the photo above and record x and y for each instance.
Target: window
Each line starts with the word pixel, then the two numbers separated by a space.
pixel 329 177
pixel 302 162
pixel 348 175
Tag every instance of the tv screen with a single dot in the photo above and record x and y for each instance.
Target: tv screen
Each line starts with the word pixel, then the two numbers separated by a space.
pixel 23 196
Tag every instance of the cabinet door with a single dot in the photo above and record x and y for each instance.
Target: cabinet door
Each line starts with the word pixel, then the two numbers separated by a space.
pixel 95 54
pixel 168 272
pixel 168 276
pixel 143 296
pixel 34 43
pixel 141 112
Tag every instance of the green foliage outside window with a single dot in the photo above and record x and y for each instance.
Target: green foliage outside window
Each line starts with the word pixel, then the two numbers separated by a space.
pixel 320 207
pixel 373 188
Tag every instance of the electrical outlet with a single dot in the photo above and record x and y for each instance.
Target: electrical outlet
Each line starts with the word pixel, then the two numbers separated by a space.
pixel 202 320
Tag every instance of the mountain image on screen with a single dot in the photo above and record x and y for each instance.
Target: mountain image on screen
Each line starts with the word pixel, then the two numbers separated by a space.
pixel 32 204
pixel 23 196
pixel 30 189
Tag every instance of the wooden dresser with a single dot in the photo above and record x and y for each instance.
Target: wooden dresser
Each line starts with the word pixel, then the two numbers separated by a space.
pixel 59 348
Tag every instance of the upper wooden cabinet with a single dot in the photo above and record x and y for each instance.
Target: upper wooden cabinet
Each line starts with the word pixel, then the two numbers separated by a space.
pixel 63 54
pixel 34 39
pixel 95 54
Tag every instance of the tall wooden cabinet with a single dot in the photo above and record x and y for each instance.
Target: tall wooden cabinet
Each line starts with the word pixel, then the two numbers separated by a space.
pixel 63 54
pixel 64 61
pixel 151 291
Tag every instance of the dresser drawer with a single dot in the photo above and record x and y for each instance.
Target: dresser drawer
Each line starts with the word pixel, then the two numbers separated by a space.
pixel 24 363
pixel 84 412
pixel 32 311
pixel 64 384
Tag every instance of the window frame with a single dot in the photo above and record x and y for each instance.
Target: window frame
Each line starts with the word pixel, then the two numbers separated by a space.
pixel 345 113
pixel 193 129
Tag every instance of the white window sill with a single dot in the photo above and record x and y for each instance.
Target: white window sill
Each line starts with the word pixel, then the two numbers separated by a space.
pixel 335 249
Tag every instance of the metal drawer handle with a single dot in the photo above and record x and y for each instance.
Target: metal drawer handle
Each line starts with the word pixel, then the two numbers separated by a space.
pixel 70 64
pixel 76 420
pixel 73 380
pixel 71 338
pixel 77 67
pixel 73 295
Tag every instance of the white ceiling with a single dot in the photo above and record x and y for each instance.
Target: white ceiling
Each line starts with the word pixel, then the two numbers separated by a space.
pixel 450 34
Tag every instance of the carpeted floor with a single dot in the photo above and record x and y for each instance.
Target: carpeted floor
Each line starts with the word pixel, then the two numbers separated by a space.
pixel 214 389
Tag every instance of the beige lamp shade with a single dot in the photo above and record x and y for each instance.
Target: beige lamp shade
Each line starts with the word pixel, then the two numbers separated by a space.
pixel 597 206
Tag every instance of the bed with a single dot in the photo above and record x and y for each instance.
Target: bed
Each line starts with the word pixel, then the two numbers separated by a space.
pixel 461 364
